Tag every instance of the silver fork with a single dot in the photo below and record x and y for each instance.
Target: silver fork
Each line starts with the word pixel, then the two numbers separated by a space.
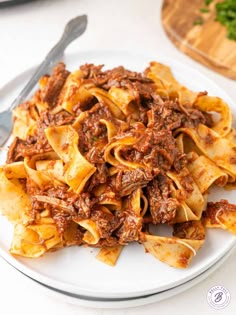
pixel 73 29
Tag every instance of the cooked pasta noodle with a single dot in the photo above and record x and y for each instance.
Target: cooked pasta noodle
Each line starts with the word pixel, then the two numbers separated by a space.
pixel 98 156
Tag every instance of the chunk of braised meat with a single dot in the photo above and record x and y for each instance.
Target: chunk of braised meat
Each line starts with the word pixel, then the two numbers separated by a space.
pixel 37 143
pixel 90 71
pixel 157 148
pixel 131 226
pixel 60 192
pixel 214 207
pixel 180 162
pixel 56 119
pixel 106 222
pixel 62 220
pixel 99 177
pixel 165 114
pixel 196 117
pixel 14 152
pixel 187 181
pixel 19 149
pixel 142 88
pixel 128 181
pixel 79 206
pixel 83 205
pixel 161 205
pixel 92 131
pixel 163 150
pixel 169 114
pixel 54 85
pixel 109 78
pixel 75 207
pixel 190 230
pixel 95 154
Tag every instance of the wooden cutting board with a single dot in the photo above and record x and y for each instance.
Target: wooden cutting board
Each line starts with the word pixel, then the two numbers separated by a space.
pixel 206 43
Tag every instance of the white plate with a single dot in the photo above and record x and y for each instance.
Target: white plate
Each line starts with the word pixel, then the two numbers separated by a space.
pixel 75 270
pixel 73 299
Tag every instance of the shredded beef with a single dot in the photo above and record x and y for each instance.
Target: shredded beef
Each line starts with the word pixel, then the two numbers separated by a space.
pixel 221 205
pixel 92 131
pixel 214 207
pixel 161 205
pixel 37 143
pixel 189 230
pixel 81 203
pixel 99 177
pixel 157 148
pixel 62 221
pixel 130 228
pixel 54 85
pixel 58 119
pixel 118 77
pixel 79 206
pixel 13 154
pixel 83 206
pixel 165 114
pixel 128 181
pixel 106 222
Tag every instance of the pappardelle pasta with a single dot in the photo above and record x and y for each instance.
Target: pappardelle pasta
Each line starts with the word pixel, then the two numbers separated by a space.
pixel 99 156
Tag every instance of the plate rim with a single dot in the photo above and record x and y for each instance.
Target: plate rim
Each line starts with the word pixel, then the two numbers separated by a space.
pixel 127 303
pixel 74 288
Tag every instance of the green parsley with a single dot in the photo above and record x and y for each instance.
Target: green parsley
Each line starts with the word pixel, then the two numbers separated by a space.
pixel 208 2
pixel 198 21
pixel 95 139
pixel 204 10
pixel 226 15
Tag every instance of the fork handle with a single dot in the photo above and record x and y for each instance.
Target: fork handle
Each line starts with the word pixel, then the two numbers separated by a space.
pixel 73 29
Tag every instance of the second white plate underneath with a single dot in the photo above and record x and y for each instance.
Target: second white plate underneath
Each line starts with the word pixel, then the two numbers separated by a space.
pixel 128 303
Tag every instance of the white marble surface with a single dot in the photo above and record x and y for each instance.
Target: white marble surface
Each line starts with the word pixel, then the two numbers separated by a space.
pixel 27 32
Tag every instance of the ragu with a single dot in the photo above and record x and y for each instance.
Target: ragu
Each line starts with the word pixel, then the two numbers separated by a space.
pixel 99 155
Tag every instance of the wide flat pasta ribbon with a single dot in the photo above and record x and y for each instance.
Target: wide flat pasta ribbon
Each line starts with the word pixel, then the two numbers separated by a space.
pixel 190 194
pixel 123 99
pixel 52 168
pixel 109 255
pixel 215 104
pixel 23 122
pixel 15 203
pixel 34 240
pixel 220 215
pixel 39 178
pixel 64 141
pixel 106 99
pixel 15 170
pixel 175 252
pixel 74 92
pixel 205 172
pixel 164 79
pixel 117 145
pixel 216 148
pixel 92 235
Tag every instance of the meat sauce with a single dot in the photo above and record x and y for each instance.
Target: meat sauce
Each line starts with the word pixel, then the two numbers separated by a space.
pixel 153 125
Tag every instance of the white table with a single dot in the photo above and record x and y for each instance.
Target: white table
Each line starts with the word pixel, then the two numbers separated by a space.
pixel 27 32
